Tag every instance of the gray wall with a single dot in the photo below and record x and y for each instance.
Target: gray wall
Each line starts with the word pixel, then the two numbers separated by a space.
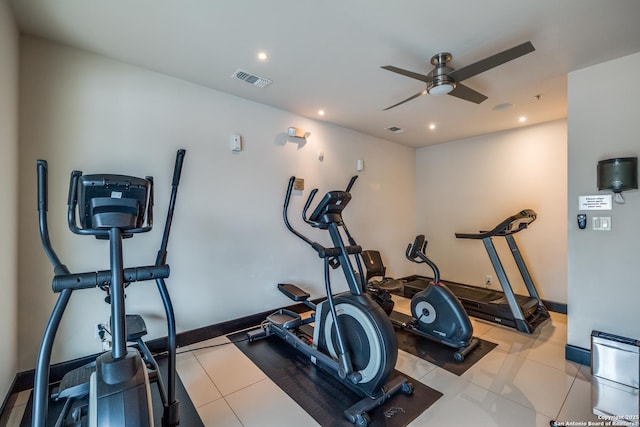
pixel 604 122
pixel 229 247
pixel 8 189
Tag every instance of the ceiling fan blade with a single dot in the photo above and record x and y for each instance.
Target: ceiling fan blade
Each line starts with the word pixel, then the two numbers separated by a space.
pixel 424 92
pixel 465 92
pixel 411 74
pixel 491 62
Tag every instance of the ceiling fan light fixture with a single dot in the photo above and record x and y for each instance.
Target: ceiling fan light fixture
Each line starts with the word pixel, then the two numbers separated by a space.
pixel 441 89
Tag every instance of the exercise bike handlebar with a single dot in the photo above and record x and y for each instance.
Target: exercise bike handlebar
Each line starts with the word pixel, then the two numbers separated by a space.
pixel 418 245
pixel 416 252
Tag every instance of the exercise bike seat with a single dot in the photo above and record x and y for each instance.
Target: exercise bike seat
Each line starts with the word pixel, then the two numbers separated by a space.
pixel 136 328
pixel 375 268
pixel 387 284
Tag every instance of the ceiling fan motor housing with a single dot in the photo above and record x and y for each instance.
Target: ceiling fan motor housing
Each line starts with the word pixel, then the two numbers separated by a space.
pixel 439 81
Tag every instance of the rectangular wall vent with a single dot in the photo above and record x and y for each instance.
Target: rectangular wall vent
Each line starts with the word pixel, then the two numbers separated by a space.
pixel 250 78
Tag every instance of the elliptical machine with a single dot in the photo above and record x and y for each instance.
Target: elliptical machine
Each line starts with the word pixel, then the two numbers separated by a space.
pixel 436 312
pixel 352 339
pixel 114 390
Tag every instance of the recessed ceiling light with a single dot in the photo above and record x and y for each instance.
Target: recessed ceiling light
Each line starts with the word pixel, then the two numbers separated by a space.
pixel 262 56
pixel 321 112
pixel 504 106
pixel 432 126
pixel 522 119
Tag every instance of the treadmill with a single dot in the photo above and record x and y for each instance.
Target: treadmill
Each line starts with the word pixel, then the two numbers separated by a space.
pixel 525 313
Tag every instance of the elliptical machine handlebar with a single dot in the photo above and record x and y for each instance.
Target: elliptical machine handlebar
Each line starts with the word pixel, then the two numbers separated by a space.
pixel 351 182
pixel 416 252
pixel 287 199
pixel 329 208
pixel 43 206
pixel 161 258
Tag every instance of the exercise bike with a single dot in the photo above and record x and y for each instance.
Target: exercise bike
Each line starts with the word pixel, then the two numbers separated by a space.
pixel 352 339
pixel 114 390
pixel 436 312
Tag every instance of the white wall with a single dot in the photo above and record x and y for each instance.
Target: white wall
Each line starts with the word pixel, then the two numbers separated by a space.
pixel 603 288
pixel 473 184
pixel 229 246
pixel 8 189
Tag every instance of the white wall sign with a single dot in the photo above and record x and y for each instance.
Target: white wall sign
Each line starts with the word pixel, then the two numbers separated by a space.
pixel 594 203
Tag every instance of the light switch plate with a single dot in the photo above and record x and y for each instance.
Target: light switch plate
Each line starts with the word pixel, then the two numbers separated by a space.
pixel 601 223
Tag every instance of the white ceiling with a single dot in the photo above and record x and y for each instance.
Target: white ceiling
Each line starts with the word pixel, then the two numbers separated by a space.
pixel 327 54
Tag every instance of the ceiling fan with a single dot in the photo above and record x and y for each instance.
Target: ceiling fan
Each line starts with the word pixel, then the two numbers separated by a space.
pixel 445 80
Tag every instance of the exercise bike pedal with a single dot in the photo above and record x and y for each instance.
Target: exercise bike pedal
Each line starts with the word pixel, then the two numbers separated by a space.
pixel 293 292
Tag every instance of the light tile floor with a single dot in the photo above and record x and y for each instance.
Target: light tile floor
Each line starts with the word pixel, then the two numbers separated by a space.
pixel 525 381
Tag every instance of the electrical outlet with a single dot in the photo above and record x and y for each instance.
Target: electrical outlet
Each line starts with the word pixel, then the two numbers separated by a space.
pixel 106 345
pixel 99 331
pixel 488 280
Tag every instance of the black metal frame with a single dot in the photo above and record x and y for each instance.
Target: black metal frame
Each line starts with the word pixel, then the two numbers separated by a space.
pixel 65 283
pixel 507 229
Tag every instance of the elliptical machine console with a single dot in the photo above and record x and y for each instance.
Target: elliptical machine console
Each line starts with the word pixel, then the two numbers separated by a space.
pixel 352 339
pixel 113 390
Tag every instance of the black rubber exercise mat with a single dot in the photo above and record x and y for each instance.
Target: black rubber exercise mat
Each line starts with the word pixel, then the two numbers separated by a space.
pixel 188 414
pixel 320 394
pixel 436 353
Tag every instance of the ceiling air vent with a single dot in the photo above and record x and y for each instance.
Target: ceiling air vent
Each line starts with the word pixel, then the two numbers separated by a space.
pixel 251 78
pixel 394 129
